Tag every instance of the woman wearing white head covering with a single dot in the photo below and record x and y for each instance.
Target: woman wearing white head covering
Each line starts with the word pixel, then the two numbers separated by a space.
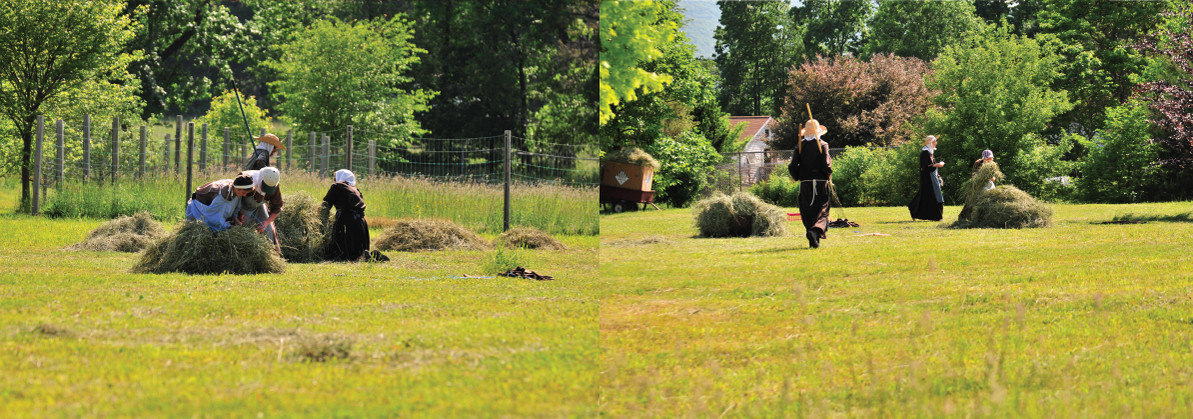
pixel 928 203
pixel 350 232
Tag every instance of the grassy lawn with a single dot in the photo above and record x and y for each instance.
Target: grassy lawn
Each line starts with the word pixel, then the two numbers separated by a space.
pixel 82 337
pixel 1077 320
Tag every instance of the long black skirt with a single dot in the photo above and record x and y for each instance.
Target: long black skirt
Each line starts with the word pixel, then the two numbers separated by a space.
pixel 349 236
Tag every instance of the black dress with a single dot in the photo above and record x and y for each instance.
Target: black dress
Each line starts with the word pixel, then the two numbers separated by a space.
pixel 812 166
pixel 350 232
pixel 258 160
pixel 928 203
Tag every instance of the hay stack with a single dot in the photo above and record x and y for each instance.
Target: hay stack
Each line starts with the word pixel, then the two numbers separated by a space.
pixel 1004 206
pixel 740 215
pixel 529 238
pixel 634 156
pixel 195 249
pixel 409 235
pixel 124 234
pixel 303 228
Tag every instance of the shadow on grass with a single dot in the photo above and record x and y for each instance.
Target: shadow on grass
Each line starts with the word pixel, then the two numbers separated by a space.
pixel 1186 217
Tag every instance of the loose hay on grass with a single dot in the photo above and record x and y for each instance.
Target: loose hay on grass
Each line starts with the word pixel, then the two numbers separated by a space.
pixel 408 235
pixel 739 215
pixel 529 238
pixel 1006 206
pixel 124 234
pixel 303 228
pixel 195 249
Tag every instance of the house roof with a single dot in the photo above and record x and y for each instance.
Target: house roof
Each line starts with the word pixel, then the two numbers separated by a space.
pixel 754 125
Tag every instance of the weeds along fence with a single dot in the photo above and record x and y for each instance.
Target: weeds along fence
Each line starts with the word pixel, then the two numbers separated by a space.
pixel 485 183
pixel 738 171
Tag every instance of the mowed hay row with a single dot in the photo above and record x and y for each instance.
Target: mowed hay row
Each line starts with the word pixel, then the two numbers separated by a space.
pixel 739 215
pixel 409 235
pixel 303 228
pixel 195 249
pixel 124 234
pixel 528 238
pixel 1006 206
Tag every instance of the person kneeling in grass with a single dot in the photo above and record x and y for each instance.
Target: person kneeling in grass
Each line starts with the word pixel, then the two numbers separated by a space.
pixel 350 232
pixel 218 203
pixel 264 204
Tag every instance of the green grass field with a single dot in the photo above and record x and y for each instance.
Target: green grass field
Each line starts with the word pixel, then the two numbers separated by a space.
pixel 82 337
pixel 1077 320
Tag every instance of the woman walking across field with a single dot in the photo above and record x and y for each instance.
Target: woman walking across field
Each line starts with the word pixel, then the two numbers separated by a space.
pixel 812 166
pixel 928 203
pixel 350 232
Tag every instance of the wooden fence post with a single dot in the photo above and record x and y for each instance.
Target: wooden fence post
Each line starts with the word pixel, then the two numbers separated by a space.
pixel 115 148
pixel 177 143
pixel 311 153
pixel 203 150
pixel 508 174
pixel 326 155
pixel 372 158
pixel 141 160
pixel 35 207
pixel 166 150
pixel 289 145
pixel 227 145
pixel 86 147
pixel 190 157
pixel 61 155
pixel 348 149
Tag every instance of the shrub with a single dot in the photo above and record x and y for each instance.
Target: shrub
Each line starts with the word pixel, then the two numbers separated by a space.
pixel 1121 165
pixel 415 235
pixel 739 215
pixel 780 189
pixel 195 249
pixel 876 176
pixel 125 234
pixel 686 162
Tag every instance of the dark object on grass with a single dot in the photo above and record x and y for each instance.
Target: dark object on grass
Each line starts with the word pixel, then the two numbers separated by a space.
pixel 195 249
pixel 408 235
pixel 740 215
pixel 124 234
pixel 303 228
pixel 375 256
pixel 520 272
pixel 529 238
pixel 842 223
pixel 1006 206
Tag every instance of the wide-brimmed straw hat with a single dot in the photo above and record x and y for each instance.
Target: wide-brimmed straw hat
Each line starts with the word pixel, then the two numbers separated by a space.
pixel 812 126
pixel 271 140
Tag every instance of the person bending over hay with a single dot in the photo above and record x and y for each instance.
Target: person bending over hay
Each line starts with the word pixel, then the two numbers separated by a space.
pixel 125 234
pixel 195 249
pixel 350 232
pixel 217 203
pixel 1002 206
pixel 740 215
pixel 261 207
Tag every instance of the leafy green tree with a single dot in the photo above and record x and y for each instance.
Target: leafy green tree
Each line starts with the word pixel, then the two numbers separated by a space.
pixel 920 29
pixel 686 162
pixel 1122 164
pixel 832 27
pixel 995 93
pixel 225 112
pixel 338 74
pixel 756 43
pixel 630 35
pixel 43 62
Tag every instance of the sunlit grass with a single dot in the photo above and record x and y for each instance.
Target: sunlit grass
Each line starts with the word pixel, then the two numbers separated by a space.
pixel 1077 320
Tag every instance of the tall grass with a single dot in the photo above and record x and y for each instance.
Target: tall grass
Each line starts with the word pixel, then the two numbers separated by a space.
pixel 478 206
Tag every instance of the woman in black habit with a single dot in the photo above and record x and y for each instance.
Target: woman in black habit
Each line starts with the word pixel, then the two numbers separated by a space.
pixel 928 203
pixel 350 232
pixel 812 166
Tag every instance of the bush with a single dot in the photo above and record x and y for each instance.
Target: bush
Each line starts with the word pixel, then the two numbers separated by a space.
pixel 739 215
pixel 195 249
pixel 780 189
pixel 1038 166
pixel 876 176
pixel 1006 206
pixel 686 164
pixel 124 234
pixel 1121 165
pixel 415 235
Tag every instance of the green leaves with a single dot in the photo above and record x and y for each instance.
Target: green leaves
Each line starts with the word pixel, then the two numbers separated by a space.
pixel 630 35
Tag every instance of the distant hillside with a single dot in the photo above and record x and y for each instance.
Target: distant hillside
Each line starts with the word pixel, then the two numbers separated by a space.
pixel 702 17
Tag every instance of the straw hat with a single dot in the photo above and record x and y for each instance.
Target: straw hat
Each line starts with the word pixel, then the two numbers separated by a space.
pixel 271 140
pixel 812 126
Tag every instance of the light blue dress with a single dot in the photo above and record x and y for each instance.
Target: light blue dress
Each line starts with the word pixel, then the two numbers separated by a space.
pixel 215 215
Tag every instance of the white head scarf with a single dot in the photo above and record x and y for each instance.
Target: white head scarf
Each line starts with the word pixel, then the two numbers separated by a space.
pixel 345 175
pixel 931 148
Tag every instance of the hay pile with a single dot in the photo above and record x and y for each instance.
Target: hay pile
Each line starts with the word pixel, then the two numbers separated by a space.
pixel 740 215
pixel 1004 206
pixel 634 156
pixel 304 228
pixel 529 238
pixel 195 249
pixel 125 234
pixel 409 235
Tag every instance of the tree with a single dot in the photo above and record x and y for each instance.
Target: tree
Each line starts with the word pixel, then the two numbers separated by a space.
pixel 52 48
pixel 629 37
pixel 995 93
pixel 832 27
pixel 755 45
pixel 225 112
pixel 861 103
pixel 920 29
pixel 1171 99
pixel 338 74
pixel 1122 162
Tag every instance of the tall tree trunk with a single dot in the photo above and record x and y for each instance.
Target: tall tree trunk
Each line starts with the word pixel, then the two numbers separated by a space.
pixel 26 166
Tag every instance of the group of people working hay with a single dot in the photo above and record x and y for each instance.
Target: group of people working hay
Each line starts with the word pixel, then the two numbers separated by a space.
pixel 251 202
pixel 986 205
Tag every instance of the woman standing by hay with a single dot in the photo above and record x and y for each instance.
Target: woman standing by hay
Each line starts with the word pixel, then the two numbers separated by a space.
pixel 267 146
pixel 217 203
pixel 264 204
pixel 928 203
pixel 813 169
pixel 350 232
